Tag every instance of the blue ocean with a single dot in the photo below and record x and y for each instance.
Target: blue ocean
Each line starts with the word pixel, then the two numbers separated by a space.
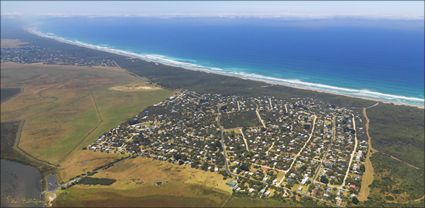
pixel 374 59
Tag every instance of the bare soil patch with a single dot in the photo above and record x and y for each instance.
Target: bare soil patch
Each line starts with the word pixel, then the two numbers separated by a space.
pixel 135 87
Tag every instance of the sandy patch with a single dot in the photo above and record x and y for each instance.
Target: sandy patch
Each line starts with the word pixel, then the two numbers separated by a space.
pixel 135 88
pixel 50 198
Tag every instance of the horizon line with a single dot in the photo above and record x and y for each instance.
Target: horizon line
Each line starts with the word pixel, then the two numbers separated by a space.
pixel 286 16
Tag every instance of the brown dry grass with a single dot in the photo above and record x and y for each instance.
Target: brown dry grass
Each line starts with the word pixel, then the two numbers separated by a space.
pixel 148 171
pixel 136 186
pixel 12 43
pixel 84 161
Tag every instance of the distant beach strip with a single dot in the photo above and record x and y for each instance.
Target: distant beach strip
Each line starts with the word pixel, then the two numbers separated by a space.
pixel 160 59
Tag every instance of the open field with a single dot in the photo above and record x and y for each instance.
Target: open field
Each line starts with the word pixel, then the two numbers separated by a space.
pixel 142 181
pixel 67 107
pixel 82 162
pixel 148 182
pixel 12 43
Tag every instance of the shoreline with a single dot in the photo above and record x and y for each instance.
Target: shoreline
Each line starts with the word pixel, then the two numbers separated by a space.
pixel 293 83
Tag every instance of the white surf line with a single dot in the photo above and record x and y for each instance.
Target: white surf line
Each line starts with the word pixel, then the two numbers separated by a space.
pixel 352 153
pixel 257 111
pixel 301 150
pixel 244 140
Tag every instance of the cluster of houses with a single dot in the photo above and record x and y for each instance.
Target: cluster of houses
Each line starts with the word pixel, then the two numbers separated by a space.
pixel 30 53
pixel 266 146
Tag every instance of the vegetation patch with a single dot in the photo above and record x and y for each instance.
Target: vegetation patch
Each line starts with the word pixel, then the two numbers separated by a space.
pixel 96 181
pixel 395 183
pixel 239 119
pixel 399 132
pixel 10 131
pixel 7 93
pixel 243 201
pixel 8 135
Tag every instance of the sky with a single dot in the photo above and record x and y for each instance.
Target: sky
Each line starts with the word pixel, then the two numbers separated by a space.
pixel 309 9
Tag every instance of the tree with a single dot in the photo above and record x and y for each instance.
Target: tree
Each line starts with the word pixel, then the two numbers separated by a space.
pixel 245 166
pixel 324 179
pixel 355 200
pixel 362 168
pixel 204 166
pixel 194 164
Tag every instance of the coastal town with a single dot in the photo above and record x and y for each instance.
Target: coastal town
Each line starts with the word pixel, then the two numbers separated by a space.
pixel 263 146
pixel 28 53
